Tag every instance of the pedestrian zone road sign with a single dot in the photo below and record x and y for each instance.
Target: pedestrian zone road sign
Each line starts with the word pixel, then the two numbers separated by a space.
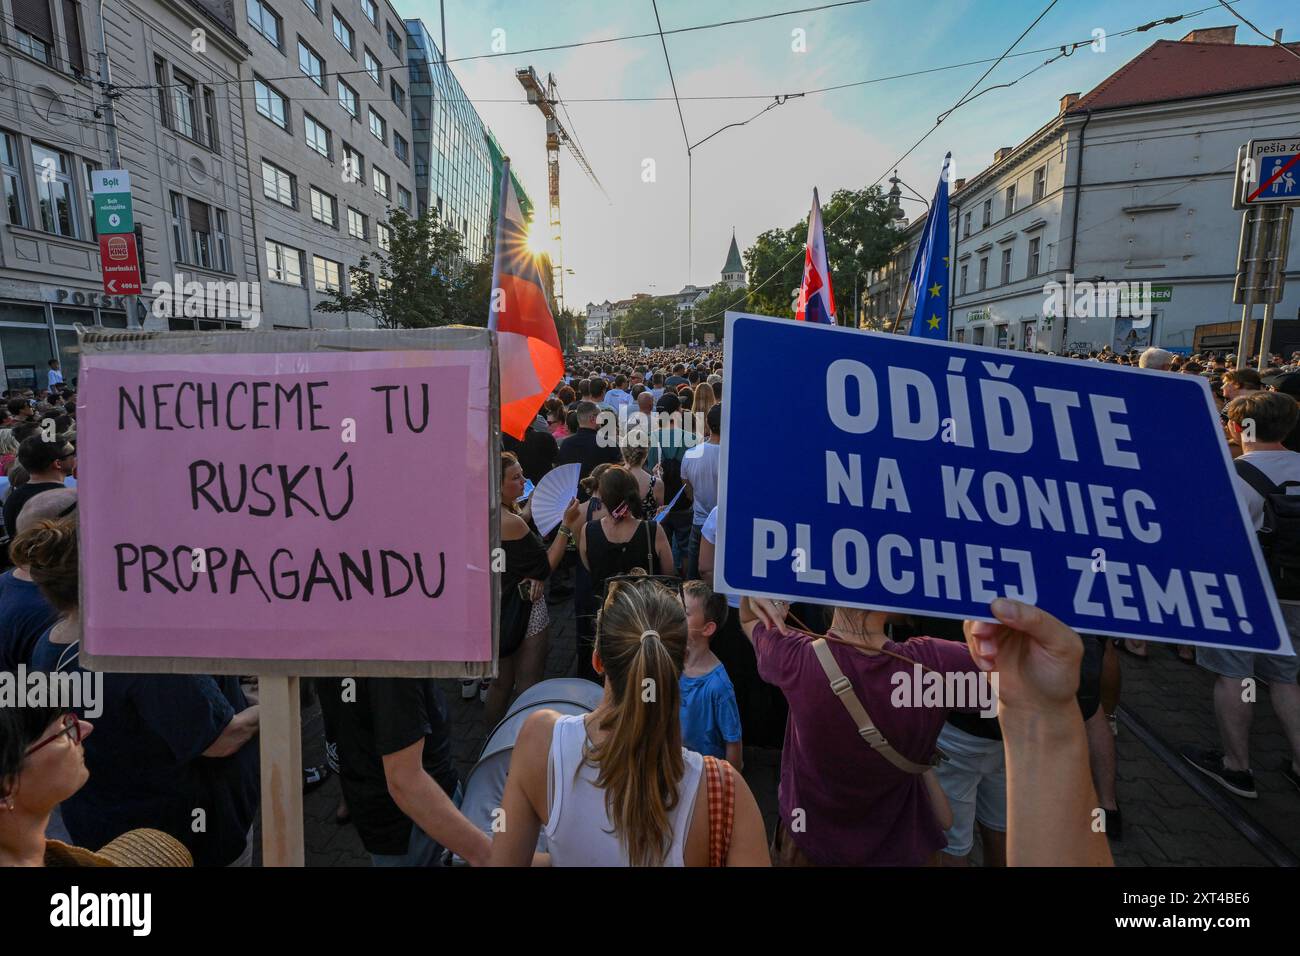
pixel 1273 167
pixel 931 478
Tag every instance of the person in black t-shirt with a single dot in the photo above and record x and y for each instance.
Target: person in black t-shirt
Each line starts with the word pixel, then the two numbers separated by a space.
pixel 397 772
pixel 583 445
pixel 48 466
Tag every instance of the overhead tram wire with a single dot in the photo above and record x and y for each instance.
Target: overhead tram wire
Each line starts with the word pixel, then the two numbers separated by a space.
pixel 690 178
pixel 1073 45
pixel 965 98
pixel 1274 40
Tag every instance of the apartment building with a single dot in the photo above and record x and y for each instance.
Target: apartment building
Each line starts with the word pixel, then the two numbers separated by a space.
pixel 176 62
pixel 1130 183
pixel 327 110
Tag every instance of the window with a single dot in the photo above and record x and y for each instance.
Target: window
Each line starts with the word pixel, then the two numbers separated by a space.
pixel 984 273
pixel 1006 266
pixel 13 179
pixel 326 273
pixel 1035 245
pixel 348 98
pixel 383 236
pixel 210 118
pixel 72 34
pixel 354 165
pixel 1001 332
pixel 313 6
pixel 266 22
pixel 54 194
pixel 199 234
pixel 379 179
pixel 398 94
pixel 988 213
pixel 324 208
pixel 311 64
pixel 1040 183
pixel 371 11
pixel 356 224
pixel 373 68
pixel 401 148
pixel 394 39
pixel 318 137
pixel 34 33
pixel 404 199
pixel 184 95
pixel 283 263
pixel 964 270
pixel 965 229
pixel 378 128
pixel 279 185
pixel 1010 205
pixel 270 103
pixel 164 84
pixel 343 33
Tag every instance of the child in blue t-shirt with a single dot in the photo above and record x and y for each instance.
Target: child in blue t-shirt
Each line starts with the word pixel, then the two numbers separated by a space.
pixel 710 718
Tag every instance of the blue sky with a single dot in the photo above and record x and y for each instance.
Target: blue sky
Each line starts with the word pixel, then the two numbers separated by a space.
pixel 761 175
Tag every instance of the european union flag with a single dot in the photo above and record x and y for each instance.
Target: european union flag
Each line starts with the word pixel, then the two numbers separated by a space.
pixel 930 271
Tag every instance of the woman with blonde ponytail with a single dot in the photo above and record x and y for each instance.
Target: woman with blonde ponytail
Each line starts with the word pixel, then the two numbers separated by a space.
pixel 615 787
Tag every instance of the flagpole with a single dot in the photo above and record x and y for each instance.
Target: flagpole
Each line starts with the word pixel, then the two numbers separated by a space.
pixel 496 249
pixel 907 294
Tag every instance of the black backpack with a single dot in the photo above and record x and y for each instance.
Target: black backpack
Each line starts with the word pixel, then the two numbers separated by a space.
pixel 1279 537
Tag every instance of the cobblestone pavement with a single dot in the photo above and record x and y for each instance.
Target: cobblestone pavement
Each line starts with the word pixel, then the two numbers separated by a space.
pixel 1166 821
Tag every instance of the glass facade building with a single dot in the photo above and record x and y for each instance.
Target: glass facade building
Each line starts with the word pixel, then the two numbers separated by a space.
pixel 453 165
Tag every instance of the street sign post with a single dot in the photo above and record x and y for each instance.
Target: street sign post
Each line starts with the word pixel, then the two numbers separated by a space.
pixel 119 259
pixel 1271 172
pixel 120 262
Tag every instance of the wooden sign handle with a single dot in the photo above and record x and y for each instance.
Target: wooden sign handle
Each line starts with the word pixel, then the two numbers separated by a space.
pixel 280 743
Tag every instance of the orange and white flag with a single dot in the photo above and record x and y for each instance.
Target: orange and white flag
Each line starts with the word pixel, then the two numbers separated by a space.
pixel 528 344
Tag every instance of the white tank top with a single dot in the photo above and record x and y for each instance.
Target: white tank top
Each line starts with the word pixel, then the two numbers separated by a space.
pixel 578 830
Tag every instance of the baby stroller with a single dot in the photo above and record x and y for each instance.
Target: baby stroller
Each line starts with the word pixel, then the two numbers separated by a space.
pixel 487 781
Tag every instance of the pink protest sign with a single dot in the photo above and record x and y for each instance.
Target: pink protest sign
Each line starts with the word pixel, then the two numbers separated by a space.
pixel 324 507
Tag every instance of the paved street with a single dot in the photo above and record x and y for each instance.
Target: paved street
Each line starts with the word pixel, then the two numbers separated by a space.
pixel 1166 821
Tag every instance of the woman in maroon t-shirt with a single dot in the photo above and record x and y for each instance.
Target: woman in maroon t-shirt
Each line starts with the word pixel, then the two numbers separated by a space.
pixel 843 803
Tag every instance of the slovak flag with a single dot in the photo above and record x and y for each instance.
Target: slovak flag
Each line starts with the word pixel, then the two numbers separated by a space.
pixel 528 345
pixel 816 301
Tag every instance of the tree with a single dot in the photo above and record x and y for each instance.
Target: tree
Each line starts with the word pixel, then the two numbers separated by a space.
pixel 649 320
pixel 709 309
pixel 419 281
pixel 859 234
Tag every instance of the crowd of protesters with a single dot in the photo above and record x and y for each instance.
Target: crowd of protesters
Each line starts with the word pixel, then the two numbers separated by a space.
pixel 691 677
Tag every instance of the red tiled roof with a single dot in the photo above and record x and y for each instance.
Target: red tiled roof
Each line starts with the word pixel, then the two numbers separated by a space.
pixel 1179 70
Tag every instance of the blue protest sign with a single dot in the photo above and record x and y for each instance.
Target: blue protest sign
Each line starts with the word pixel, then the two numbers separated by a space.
pixel 881 471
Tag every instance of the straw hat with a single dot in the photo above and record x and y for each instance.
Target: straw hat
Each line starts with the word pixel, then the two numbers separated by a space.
pixel 143 847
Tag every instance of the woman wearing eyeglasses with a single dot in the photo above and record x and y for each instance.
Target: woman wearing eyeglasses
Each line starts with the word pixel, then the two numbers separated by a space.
pixel 615 787
pixel 42 764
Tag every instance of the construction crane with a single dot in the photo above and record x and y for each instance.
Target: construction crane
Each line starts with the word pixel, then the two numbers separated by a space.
pixel 547 98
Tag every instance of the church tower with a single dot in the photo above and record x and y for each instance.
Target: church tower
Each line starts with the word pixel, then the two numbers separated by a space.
pixel 733 272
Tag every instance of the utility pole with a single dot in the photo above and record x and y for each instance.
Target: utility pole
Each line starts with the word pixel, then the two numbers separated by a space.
pixel 110 129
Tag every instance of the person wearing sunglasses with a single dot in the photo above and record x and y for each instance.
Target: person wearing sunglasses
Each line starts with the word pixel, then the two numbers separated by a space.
pixel 42 763
pixel 616 787
pixel 49 465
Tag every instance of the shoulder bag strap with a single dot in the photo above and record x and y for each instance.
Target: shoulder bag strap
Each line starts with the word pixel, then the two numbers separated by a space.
pixel 722 809
pixel 1255 478
pixel 843 689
